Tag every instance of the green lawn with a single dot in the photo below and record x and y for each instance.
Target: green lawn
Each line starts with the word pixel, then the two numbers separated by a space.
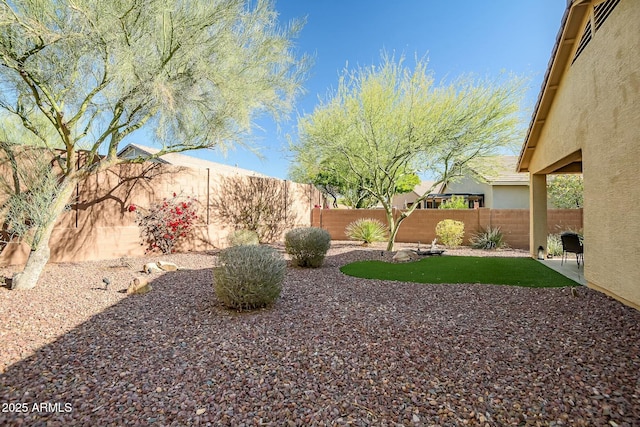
pixel 463 269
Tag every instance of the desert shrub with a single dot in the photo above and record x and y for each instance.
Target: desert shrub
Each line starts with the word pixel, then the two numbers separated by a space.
pixel 166 222
pixel 307 246
pixel 367 230
pixel 554 245
pixel 450 232
pixel 455 202
pixel 243 237
pixel 254 203
pixel 249 276
pixel 488 238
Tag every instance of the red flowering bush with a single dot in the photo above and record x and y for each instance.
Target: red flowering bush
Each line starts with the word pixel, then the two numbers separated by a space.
pixel 166 222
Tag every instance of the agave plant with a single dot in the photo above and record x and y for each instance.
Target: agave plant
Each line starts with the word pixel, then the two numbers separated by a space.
pixel 488 238
pixel 367 230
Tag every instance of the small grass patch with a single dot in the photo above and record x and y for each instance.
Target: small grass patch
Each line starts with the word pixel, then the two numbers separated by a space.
pixel 463 269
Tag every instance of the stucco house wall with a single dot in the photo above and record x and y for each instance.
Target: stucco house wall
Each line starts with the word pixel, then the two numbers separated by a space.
pixel 502 187
pixel 589 116
pixel 400 201
pixel 510 197
pixel 467 184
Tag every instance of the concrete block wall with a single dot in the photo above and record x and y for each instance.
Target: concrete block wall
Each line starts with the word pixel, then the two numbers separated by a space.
pixel 421 224
pixel 335 220
pixel 514 224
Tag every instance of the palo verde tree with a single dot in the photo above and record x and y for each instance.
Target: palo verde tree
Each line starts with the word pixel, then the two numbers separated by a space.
pixel 387 122
pixel 566 191
pixel 352 193
pixel 93 72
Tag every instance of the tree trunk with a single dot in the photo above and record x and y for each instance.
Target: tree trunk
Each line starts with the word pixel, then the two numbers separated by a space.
pixel 38 258
pixel 394 227
pixel 393 230
pixel 40 252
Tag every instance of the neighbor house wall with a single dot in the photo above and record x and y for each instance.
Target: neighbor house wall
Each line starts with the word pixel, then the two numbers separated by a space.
pixel 466 185
pixel 596 111
pixel 496 196
pixel 510 197
pixel 400 201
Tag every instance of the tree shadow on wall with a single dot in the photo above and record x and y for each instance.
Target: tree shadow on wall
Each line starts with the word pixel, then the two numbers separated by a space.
pixel 258 204
pixel 104 200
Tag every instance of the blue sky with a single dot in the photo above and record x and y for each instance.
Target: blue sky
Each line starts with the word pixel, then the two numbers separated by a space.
pixel 457 36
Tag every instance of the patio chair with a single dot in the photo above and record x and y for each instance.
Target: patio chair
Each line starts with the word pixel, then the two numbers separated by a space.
pixel 571 244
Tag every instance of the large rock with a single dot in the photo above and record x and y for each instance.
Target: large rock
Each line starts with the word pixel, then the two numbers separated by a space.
pixel 139 285
pixel 404 255
pixel 151 267
pixel 167 266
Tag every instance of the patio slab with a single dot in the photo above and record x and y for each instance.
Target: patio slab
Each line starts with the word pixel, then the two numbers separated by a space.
pixel 569 268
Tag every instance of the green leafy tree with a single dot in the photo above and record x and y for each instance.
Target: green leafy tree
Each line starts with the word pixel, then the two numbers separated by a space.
pixel 93 72
pixel 351 193
pixel 455 202
pixel 28 183
pixel 387 122
pixel 566 191
pixel 356 197
pixel 407 183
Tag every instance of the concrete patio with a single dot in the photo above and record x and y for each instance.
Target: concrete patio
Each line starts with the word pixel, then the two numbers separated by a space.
pixel 569 268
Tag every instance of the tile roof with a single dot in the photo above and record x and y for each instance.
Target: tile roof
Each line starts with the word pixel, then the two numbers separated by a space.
pixel 504 171
pixel 423 187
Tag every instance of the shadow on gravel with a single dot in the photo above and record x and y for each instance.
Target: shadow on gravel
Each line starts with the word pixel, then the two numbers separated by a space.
pixel 336 350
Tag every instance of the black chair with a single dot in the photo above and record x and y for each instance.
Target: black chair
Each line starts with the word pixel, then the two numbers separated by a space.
pixel 571 244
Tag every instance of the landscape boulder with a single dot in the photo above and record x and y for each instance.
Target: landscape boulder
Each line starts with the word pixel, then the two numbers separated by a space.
pixel 404 255
pixel 139 285
pixel 151 267
pixel 167 266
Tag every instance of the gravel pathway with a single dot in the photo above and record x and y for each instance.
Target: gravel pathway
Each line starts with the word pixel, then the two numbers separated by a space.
pixel 334 350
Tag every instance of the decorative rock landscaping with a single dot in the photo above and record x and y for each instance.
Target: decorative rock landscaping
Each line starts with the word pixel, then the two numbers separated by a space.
pixel 334 350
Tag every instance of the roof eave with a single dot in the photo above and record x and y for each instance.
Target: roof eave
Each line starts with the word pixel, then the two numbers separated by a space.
pixel 568 34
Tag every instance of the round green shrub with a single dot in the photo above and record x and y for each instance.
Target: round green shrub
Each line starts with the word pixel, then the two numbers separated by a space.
pixel 249 276
pixel 455 202
pixel 243 237
pixel 450 232
pixel 366 230
pixel 307 246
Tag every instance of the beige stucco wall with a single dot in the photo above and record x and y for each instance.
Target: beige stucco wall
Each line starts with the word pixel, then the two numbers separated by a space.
pixel 597 110
pixel 100 226
pixel 400 200
pixel 495 196
pixel 469 185
pixel 466 185
pixel 510 197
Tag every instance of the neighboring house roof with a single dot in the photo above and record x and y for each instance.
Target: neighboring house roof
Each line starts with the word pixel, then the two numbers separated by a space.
pixel 568 36
pixel 423 187
pixel 501 172
pixel 411 196
pixel 135 150
pixel 504 172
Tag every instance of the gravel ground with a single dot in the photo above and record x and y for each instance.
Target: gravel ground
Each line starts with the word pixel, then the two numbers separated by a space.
pixel 333 350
